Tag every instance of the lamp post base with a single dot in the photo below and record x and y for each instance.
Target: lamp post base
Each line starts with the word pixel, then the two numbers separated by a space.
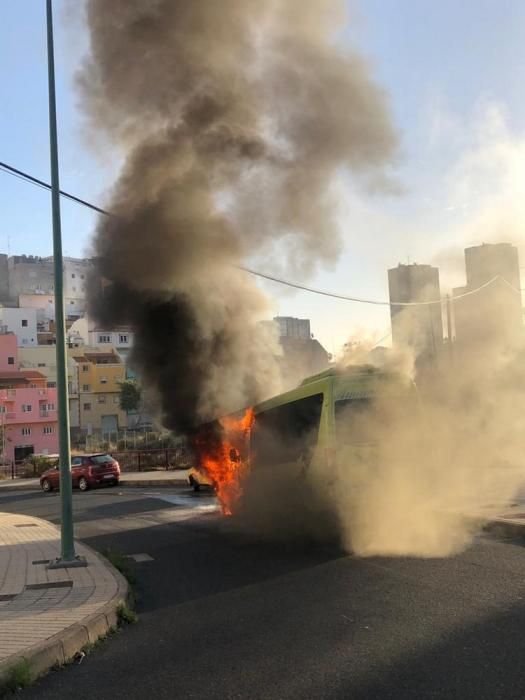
pixel 60 563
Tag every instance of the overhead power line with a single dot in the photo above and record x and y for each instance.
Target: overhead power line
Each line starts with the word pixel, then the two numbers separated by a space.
pixel 9 169
pixel 45 185
pixel 360 300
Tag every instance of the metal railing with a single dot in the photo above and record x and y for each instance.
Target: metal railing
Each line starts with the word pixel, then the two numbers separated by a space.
pixel 152 460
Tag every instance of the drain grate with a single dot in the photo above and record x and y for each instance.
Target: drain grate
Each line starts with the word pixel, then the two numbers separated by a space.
pixel 139 558
pixel 41 561
pixel 26 525
pixel 7 596
pixel 49 584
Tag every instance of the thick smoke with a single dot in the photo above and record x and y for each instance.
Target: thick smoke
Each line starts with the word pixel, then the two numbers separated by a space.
pixel 234 117
pixel 421 466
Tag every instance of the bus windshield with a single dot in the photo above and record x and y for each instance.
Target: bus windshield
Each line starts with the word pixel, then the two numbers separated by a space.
pixel 287 433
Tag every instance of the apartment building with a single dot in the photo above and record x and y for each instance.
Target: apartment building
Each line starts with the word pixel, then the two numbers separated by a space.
pixel 121 339
pixel 99 375
pixel 42 358
pixel 21 322
pixel 28 408
pixel 29 274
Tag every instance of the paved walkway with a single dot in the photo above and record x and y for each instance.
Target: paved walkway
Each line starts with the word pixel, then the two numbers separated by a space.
pixel 39 605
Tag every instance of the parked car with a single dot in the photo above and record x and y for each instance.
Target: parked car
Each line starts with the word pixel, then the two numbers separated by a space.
pixel 86 471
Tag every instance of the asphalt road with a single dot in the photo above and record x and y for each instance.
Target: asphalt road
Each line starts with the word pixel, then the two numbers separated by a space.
pixel 225 616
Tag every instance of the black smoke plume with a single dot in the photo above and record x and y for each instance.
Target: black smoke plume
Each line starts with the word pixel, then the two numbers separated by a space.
pixel 234 117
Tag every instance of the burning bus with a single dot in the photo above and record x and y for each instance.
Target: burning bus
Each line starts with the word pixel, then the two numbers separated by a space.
pixel 328 423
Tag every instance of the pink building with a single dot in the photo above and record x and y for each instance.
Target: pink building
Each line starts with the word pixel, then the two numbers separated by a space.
pixel 29 422
pixel 28 409
pixel 8 352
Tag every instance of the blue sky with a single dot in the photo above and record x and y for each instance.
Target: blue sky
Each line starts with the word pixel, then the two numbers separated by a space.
pixel 454 73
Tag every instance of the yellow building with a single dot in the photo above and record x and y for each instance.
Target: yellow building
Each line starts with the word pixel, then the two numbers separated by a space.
pixel 99 375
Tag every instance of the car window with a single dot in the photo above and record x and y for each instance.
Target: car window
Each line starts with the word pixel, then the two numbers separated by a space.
pixel 101 459
pixel 76 461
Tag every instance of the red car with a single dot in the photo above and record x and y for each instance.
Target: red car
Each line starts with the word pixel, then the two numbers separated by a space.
pixel 86 471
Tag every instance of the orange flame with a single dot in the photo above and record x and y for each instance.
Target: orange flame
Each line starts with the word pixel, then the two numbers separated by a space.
pixel 227 462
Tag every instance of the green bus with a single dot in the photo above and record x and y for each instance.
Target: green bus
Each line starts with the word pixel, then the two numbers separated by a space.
pixel 331 422
pixel 326 417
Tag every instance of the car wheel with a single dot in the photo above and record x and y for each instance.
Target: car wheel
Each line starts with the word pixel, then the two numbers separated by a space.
pixel 46 485
pixel 115 482
pixel 83 483
pixel 194 484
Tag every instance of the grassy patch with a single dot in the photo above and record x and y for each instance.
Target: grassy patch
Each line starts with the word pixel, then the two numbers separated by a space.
pixel 90 647
pixel 18 676
pixel 122 564
pixel 126 616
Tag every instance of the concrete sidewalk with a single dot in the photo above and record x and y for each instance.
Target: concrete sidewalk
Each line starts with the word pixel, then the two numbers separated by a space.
pixel 173 478
pixel 47 616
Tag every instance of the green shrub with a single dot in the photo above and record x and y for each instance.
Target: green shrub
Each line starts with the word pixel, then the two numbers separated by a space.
pixel 36 465
pixel 18 676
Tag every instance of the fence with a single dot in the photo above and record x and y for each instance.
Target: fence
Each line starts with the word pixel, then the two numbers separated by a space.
pixel 151 460
pixel 124 440
pixel 15 470
pixel 129 460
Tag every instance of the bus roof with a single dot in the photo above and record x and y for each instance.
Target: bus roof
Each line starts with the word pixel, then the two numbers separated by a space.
pixel 353 382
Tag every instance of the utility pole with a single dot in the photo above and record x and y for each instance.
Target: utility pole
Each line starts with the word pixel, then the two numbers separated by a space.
pixel 68 556
pixel 449 330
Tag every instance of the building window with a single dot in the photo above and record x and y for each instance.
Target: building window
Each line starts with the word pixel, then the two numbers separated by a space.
pixel 73 276
pixel 48 430
pixel 101 399
pixel 26 431
pixel 48 407
pixel 85 387
pixel 27 408
pixel 104 339
pixel 41 364
pixel 52 385
pixel 116 399
pixel 24 323
pixel 103 380
pixel 10 360
pixel 123 338
pixel 87 407
pixel 2 409
pixel 81 277
pixel 85 368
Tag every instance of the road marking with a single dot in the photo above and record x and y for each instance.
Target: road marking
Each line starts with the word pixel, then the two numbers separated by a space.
pixel 139 557
pixel 186 501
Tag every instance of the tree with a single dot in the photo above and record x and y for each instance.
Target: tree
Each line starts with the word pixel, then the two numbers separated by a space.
pixel 130 396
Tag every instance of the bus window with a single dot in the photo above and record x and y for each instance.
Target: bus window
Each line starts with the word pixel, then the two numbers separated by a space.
pixel 287 433
pixel 365 421
pixel 352 421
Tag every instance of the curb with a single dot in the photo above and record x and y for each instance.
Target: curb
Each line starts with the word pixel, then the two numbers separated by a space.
pixel 62 647
pixel 154 483
pixel 124 483
pixel 19 485
pixel 505 528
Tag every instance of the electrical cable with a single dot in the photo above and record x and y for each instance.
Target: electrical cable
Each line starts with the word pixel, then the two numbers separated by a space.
pixel 9 169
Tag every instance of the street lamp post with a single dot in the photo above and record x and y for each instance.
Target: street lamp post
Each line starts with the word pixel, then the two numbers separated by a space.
pixel 68 556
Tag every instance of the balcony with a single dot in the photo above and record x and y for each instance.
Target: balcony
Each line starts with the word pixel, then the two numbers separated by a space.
pixel 10 415
pixel 44 414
